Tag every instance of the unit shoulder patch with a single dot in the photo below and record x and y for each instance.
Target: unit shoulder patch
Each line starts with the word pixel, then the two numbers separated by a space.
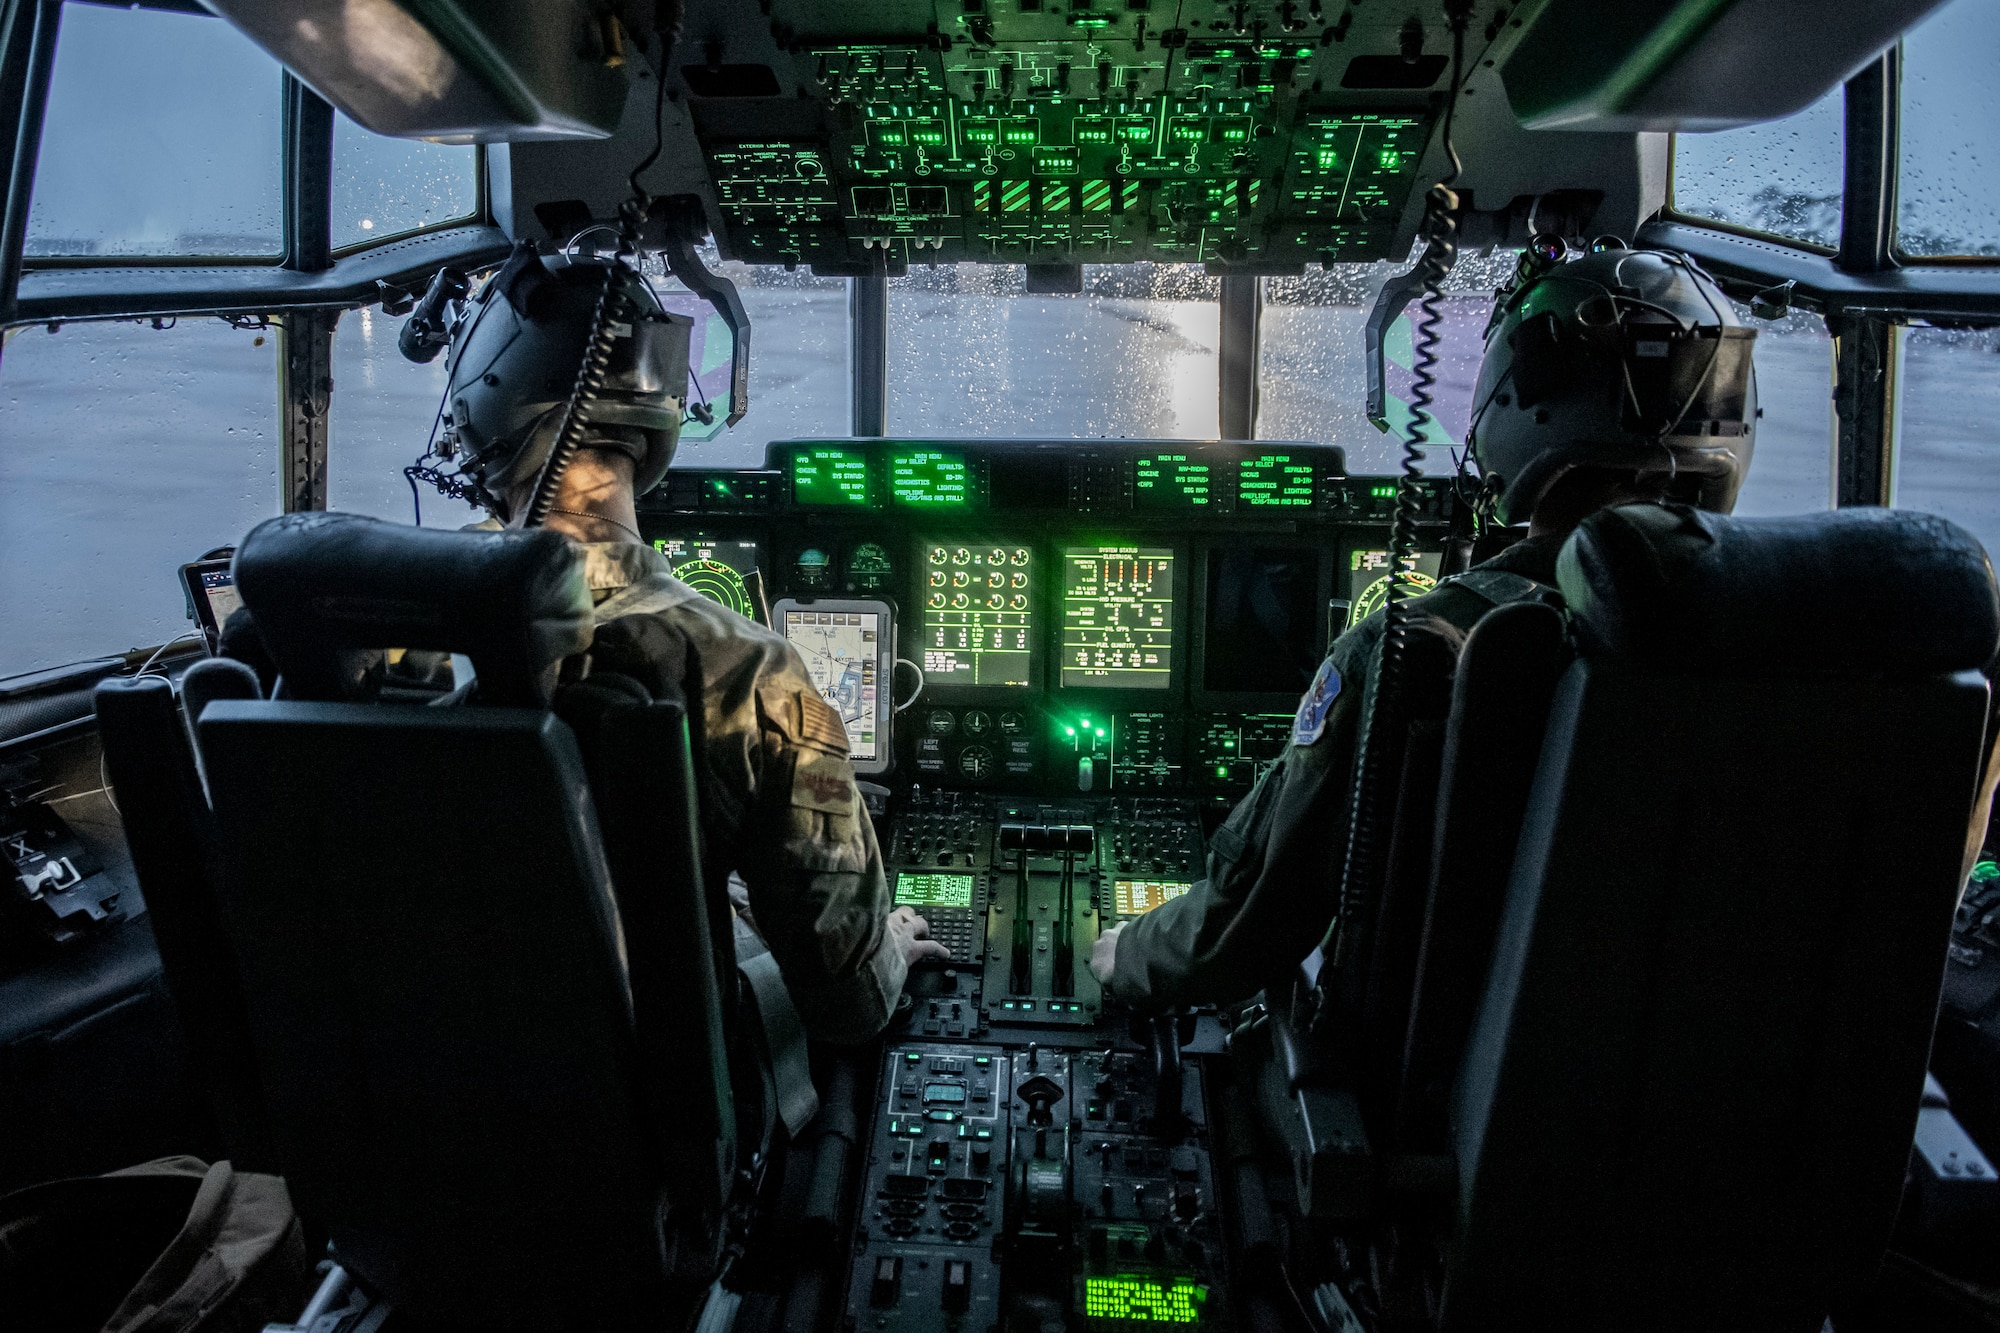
pixel 1310 724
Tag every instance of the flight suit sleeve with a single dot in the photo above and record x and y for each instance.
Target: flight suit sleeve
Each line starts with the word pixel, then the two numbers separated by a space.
pixel 1270 887
pixel 814 871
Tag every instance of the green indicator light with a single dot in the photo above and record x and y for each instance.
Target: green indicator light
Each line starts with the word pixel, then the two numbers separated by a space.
pixel 1084 720
pixel 1221 771
pixel 1383 492
pixel 912 1056
pixel 1069 731
pixel 1390 159
pixel 929 479
pixel 1093 21
pixel 1100 731
pixel 1144 1299
pixel 1986 870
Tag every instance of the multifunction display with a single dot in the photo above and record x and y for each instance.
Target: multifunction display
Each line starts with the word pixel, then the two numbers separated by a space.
pixel 1118 617
pixel 978 622
pixel 1172 481
pixel 933 890
pixel 832 477
pixel 930 479
pixel 1368 581
pixel 715 568
pixel 1275 481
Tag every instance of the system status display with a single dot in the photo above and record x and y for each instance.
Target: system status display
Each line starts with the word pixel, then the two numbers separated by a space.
pixel 930 479
pixel 1172 481
pixel 978 624
pixel 714 568
pixel 1118 617
pixel 831 477
pixel 1275 481
pixel 933 890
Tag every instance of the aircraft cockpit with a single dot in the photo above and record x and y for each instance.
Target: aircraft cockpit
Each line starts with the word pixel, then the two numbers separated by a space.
pixel 1084 412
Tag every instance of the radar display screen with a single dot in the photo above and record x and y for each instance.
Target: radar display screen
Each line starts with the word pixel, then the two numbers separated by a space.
pixel 1172 482
pixel 1275 481
pixel 930 479
pixel 842 650
pixel 1262 631
pixel 978 623
pixel 1368 581
pixel 1136 897
pixel 832 477
pixel 1118 617
pixel 714 568
pixel 933 890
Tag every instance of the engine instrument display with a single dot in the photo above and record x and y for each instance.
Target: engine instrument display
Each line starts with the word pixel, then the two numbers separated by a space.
pixel 933 890
pixel 1118 617
pixel 978 621
pixel 1368 581
pixel 714 568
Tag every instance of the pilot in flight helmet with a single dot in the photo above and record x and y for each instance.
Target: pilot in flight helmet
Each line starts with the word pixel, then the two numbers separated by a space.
pixel 1627 360
pixel 516 347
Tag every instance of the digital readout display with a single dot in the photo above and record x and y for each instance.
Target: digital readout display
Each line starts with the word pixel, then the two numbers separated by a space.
pixel 1118 617
pixel 1275 481
pixel 928 479
pixel 1143 1299
pixel 934 890
pixel 978 622
pixel 1172 481
pixel 831 477
pixel 1136 897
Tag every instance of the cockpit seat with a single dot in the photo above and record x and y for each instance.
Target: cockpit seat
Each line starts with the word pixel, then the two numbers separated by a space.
pixel 1693 1078
pixel 499 1083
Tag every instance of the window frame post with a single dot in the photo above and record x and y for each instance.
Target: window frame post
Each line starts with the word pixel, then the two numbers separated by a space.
pixel 1242 315
pixel 305 392
pixel 28 31
pixel 868 355
pixel 1864 346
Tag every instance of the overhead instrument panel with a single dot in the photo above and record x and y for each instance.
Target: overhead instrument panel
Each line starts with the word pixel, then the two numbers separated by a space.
pixel 1245 133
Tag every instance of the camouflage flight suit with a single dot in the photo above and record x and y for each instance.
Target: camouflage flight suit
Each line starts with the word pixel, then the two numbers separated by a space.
pixel 1274 865
pixel 779 806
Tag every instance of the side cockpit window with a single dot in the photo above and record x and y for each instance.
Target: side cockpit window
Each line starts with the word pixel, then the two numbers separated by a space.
pixel 129 451
pixel 162 138
pixel 384 188
pixel 1782 178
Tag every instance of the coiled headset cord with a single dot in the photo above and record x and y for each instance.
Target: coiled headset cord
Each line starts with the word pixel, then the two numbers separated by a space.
pixel 613 307
pixel 1381 736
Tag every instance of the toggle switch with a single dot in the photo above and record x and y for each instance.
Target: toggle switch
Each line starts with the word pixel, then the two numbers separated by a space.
pixel 957 1286
pixel 888 1277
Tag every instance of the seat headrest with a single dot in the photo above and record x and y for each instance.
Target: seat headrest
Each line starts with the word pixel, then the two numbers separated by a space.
pixel 329 592
pixel 1855 590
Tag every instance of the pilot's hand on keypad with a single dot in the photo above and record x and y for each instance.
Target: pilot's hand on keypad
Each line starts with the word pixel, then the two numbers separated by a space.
pixel 915 932
pixel 1104 955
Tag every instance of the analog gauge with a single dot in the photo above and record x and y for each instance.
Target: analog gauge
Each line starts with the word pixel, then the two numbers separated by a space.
pixel 1020 556
pixel 961 556
pixel 939 556
pixel 1012 724
pixel 717 582
pixel 960 579
pixel 1018 602
pixel 996 580
pixel 997 600
pixel 960 601
pixel 977 722
pixel 940 721
pixel 812 571
pixel 938 577
pixel 1020 581
pixel 975 762
pixel 997 556
pixel 937 601
pixel 869 568
pixel 1376 595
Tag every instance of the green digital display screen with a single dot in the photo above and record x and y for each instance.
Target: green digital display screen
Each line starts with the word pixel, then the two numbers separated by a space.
pixel 831 477
pixel 1148 1300
pixel 1172 481
pixel 1118 617
pixel 929 479
pixel 978 620
pixel 1275 481
pixel 934 890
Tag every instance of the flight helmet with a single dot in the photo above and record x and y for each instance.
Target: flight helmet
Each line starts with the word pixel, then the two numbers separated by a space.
pixel 1628 360
pixel 516 347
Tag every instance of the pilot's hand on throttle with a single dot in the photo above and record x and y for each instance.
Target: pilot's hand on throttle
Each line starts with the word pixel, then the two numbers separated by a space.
pixel 915 932
pixel 1104 955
